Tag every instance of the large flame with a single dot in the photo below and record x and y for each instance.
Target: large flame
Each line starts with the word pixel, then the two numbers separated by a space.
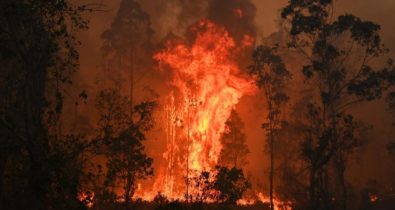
pixel 208 81
pixel 207 85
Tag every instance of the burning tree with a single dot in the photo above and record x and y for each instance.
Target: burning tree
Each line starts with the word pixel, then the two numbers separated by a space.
pixel 337 52
pixel 234 148
pixel 207 85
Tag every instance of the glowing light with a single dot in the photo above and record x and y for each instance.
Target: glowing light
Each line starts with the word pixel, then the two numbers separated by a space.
pixel 278 204
pixel 206 73
pixel 373 198
pixel 87 198
pixel 207 85
pixel 238 12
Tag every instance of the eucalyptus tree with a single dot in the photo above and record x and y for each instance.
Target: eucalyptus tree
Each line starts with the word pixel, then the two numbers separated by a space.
pixel 271 75
pixel 126 46
pixel 337 52
pixel 235 150
pixel 120 140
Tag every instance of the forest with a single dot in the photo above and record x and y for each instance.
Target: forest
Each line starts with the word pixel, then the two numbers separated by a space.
pixel 197 105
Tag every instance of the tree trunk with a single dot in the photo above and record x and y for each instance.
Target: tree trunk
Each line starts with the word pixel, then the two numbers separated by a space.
pixel 36 135
pixel 271 169
pixel 312 188
pixel 128 187
pixel 3 162
pixel 340 169
pixel 131 81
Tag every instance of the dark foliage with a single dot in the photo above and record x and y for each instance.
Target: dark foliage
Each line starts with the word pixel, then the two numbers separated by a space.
pixel 38 163
pixel 235 150
pixel 329 44
pixel 271 75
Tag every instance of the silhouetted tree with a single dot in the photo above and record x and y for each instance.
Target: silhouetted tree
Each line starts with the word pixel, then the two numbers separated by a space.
pixel 203 185
pixel 127 45
pixel 271 75
pixel 230 184
pixel 234 148
pixel 121 137
pixel 37 57
pixel 391 105
pixel 337 51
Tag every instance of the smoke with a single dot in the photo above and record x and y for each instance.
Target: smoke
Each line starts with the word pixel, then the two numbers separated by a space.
pixel 257 19
pixel 174 16
pixel 237 16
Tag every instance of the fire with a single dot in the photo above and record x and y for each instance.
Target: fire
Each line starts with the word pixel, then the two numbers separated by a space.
pixel 247 41
pixel 207 85
pixel 278 204
pixel 87 198
pixel 373 198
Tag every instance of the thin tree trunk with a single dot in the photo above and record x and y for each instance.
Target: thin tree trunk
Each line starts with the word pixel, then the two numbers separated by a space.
pixel 312 188
pixel 128 187
pixel 271 147
pixel 129 175
pixel 131 82
pixel 3 161
pixel 271 171
pixel 37 136
pixel 340 168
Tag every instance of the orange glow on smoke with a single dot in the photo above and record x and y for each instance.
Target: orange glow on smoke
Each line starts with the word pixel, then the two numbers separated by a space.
pixel 207 84
pixel 247 41
pixel 238 12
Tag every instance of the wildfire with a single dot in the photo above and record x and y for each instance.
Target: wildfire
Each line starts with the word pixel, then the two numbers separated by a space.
pixel 87 198
pixel 373 198
pixel 207 85
pixel 278 204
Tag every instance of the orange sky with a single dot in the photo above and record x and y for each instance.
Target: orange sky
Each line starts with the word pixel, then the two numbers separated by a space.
pixel 164 20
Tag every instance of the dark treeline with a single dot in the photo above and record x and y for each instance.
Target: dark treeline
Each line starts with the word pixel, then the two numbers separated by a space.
pixel 310 136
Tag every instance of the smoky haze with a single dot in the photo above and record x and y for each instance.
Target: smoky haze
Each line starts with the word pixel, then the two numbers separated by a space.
pixel 260 20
